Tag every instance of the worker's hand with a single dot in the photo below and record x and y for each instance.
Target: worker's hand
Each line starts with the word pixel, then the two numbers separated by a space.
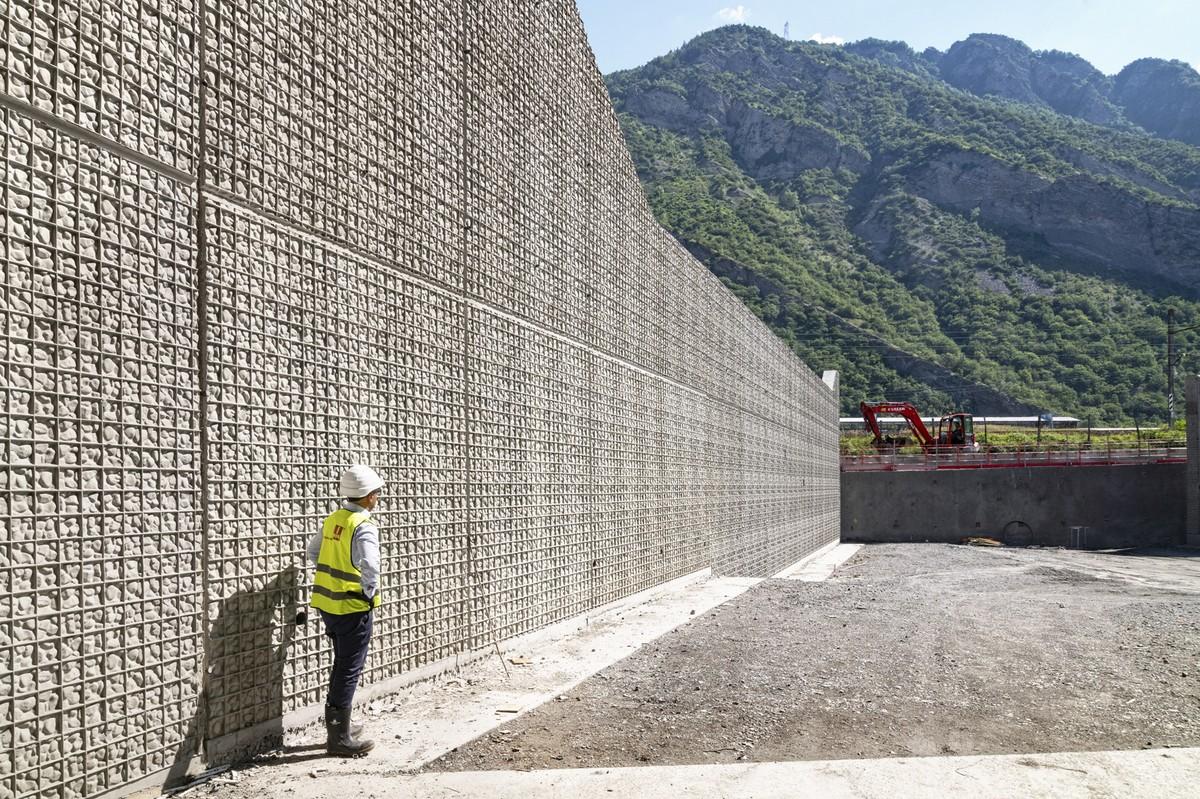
pixel 301 616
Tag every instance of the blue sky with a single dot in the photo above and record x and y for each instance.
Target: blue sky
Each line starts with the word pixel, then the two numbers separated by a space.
pixel 1109 33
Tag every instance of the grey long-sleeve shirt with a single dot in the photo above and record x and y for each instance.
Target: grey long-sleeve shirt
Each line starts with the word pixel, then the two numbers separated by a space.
pixel 364 550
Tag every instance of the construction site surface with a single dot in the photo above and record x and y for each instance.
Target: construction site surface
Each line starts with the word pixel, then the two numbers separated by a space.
pixel 957 663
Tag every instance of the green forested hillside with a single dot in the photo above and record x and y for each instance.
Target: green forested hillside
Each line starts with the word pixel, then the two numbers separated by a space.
pixel 931 244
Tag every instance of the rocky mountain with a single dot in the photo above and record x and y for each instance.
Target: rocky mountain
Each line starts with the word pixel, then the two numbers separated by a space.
pixel 1161 97
pixel 1001 255
pixel 987 64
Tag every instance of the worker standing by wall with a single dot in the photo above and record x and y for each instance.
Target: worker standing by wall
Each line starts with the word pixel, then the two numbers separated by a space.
pixel 345 590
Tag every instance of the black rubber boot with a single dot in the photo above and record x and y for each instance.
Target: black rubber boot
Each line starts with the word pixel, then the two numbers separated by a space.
pixel 355 729
pixel 340 741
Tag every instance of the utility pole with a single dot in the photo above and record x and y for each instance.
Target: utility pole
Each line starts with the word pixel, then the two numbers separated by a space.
pixel 1170 368
pixel 1173 360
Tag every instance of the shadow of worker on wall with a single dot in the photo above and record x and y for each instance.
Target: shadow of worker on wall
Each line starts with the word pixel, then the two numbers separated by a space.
pixel 240 711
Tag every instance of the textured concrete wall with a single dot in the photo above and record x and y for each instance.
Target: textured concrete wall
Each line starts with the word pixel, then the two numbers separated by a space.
pixel 245 245
pixel 1193 468
pixel 1121 506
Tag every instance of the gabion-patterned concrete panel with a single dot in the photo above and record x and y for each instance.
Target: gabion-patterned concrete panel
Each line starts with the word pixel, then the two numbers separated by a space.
pixel 121 69
pixel 100 606
pixel 345 120
pixel 317 358
pixel 247 244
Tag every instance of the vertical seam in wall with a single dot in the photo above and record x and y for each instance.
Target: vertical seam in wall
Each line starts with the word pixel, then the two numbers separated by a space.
pixel 470 581
pixel 202 367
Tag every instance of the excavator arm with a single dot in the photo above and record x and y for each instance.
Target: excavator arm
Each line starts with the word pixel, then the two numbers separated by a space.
pixel 871 410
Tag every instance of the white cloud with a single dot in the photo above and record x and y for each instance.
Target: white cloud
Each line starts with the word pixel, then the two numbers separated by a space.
pixel 733 14
pixel 822 39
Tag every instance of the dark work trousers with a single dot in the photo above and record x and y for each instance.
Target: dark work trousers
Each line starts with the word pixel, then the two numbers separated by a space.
pixel 351 634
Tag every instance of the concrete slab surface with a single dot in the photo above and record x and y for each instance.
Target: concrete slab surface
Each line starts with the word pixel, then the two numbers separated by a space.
pixel 822 566
pixel 1147 774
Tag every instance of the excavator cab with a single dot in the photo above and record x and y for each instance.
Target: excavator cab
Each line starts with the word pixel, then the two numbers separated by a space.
pixel 957 431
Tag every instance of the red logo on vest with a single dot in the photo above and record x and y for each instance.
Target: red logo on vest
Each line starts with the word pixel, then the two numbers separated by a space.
pixel 337 532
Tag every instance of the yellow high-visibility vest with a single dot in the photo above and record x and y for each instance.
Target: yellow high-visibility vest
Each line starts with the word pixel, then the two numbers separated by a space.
pixel 337 587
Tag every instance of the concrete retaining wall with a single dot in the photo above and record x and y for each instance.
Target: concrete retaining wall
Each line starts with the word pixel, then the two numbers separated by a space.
pixel 1120 506
pixel 1193 470
pixel 246 245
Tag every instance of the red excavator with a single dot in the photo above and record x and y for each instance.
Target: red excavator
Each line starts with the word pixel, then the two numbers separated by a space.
pixel 954 430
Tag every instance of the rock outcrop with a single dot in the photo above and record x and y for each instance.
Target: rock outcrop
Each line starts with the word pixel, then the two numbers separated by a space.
pixel 988 64
pixel 1076 220
pixel 775 148
pixel 1161 96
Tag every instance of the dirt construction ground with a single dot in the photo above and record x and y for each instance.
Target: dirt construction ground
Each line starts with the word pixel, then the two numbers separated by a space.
pixel 909 650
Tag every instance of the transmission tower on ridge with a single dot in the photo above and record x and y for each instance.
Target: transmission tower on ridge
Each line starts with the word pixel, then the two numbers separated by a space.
pixel 786 30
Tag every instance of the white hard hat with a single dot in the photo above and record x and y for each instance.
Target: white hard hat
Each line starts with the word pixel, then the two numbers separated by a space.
pixel 358 481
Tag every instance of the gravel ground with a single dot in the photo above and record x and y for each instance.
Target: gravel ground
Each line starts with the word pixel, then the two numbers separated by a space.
pixel 908 650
